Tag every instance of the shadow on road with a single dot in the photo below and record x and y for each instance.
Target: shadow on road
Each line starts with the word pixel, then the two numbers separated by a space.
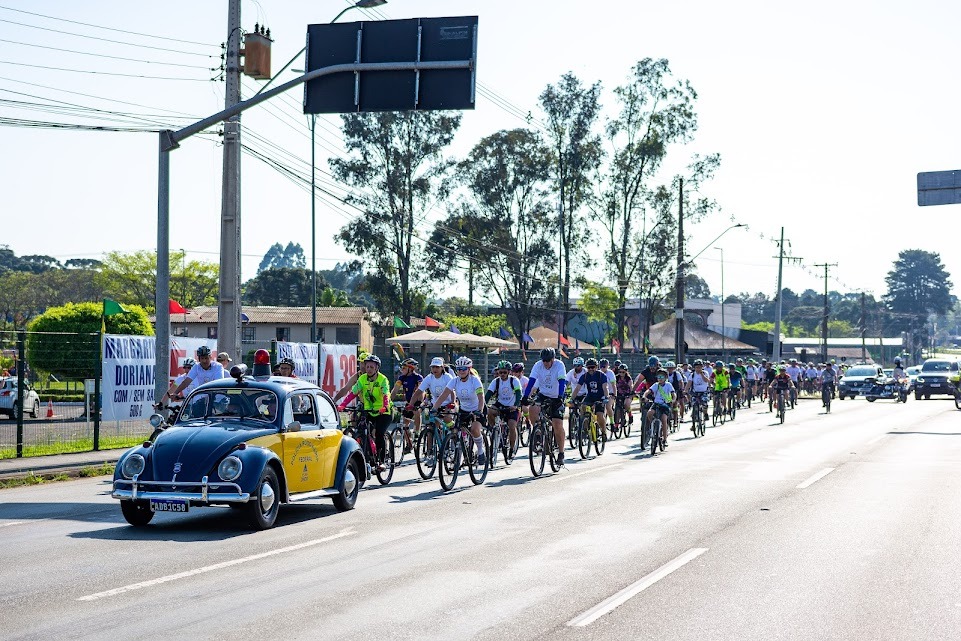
pixel 60 511
pixel 929 433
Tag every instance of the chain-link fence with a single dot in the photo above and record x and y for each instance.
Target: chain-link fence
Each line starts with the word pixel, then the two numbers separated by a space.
pixel 49 400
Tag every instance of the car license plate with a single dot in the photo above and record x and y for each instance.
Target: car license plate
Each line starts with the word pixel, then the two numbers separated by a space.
pixel 168 505
pixel 935 384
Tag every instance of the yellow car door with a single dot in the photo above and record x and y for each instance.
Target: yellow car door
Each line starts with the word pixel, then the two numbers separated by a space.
pixel 305 445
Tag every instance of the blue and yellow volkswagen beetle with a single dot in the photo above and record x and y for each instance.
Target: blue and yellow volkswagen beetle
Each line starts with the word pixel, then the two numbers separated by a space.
pixel 249 442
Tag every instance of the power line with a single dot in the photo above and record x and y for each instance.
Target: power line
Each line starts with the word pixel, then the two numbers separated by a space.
pixel 110 100
pixel 40 124
pixel 96 26
pixel 102 73
pixel 103 55
pixel 119 42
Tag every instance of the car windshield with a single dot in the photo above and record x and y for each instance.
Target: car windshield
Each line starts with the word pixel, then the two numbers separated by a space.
pixel 936 366
pixel 230 403
pixel 912 371
pixel 862 371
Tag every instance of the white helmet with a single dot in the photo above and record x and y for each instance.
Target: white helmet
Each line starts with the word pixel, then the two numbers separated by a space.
pixel 463 362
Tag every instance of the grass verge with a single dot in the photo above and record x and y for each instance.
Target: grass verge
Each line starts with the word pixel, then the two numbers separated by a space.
pixel 70 447
pixel 40 479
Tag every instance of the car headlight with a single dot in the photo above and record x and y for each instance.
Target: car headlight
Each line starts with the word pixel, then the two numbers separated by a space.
pixel 920 379
pixel 133 465
pixel 230 468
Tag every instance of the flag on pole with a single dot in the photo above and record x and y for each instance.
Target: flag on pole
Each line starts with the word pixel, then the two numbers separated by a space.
pixel 504 334
pixel 399 352
pixel 110 308
pixel 647 345
pixel 430 323
pixel 577 344
pixel 563 340
pixel 176 308
pixel 454 329
pixel 399 323
pixel 527 338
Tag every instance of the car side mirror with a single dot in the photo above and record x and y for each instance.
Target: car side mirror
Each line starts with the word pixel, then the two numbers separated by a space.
pixel 293 426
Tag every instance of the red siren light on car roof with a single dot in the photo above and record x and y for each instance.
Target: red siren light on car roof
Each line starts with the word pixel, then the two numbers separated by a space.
pixel 261 363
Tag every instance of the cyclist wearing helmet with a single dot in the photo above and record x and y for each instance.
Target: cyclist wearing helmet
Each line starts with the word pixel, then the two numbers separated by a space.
pixel 184 370
pixel 698 387
pixel 404 388
pixel 829 376
pixel 434 383
pixel 624 390
pixel 373 391
pixel 574 375
pixel 720 383
pixel 517 371
pixel 468 389
pixel 507 391
pixel 602 367
pixel 203 371
pixel 782 381
pixel 676 379
pixel 662 396
pixel 596 391
pixel 649 373
pixel 737 383
pixel 549 377
pixel 286 367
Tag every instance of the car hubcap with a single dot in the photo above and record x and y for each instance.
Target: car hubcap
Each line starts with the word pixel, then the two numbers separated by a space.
pixel 350 482
pixel 267 497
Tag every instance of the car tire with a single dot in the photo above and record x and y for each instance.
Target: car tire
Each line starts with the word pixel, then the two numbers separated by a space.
pixel 35 413
pixel 927 397
pixel 871 399
pixel 350 488
pixel 840 397
pixel 917 396
pixel 137 513
pixel 264 501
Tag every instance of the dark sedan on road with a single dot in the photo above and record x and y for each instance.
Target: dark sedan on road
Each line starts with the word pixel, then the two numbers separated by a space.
pixel 935 378
pixel 251 443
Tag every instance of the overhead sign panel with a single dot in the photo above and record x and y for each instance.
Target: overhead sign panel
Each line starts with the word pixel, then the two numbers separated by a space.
pixel 392 41
pixel 939 188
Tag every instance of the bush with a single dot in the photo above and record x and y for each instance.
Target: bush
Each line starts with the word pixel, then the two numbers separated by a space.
pixel 66 340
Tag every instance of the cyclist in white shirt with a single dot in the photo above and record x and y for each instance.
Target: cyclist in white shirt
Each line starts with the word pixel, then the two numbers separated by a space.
pixel 468 389
pixel 698 386
pixel 795 373
pixel 434 383
pixel 549 376
pixel 203 371
pixel 507 391
pixel 574 375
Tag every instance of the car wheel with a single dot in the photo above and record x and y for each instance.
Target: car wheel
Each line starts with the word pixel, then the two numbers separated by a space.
pixel 350 488
pixel 264 501
pixel 840 397
pixel 927 397
pixel 917 396
pixel 13 411
pixel 36 408
pixel 137 513
pixel 871 399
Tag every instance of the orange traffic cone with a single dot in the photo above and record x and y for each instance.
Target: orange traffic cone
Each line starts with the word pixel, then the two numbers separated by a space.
pixel 50 408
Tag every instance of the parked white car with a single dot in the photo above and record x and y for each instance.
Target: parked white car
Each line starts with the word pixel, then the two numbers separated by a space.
pixel 8 399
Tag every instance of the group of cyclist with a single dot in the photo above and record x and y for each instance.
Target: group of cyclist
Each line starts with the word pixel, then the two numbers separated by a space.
pixel 595 386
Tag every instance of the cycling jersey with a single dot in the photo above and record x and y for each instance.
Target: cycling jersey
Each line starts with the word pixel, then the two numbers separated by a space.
pixel 374 394
pixel 508 392
pixel 811 373
pixel 770 374
pixel 435 385
pixel 721 380
pixel 828 375
pixel 198 375
pixel 623 385
pixel 573 376
pixel 663 394
pixel 793 371
pixel 736 379
pixel 548 380
pixel 751 373
pixel 410 382
pixel 782 381
pixel 466 392
pixel 699 382
pixel 593 383
pixel 650 375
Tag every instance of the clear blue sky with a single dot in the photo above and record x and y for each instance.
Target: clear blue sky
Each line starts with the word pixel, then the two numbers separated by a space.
pixel 822 114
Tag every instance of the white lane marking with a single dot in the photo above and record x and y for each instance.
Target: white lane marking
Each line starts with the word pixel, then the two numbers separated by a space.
pixel 211 568
pixel 814 479
pixel 591 471
pixel 634 589
pixel 875 439
pixel 11 523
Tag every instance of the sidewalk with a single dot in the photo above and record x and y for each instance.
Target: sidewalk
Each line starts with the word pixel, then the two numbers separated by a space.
pixel 56 463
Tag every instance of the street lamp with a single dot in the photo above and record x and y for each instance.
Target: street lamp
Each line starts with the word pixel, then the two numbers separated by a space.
pixel 723 321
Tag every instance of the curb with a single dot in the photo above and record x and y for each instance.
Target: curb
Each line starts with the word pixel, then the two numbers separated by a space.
pixel 54 469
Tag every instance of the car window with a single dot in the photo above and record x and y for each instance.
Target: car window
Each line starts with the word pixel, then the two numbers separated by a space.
pixel 935 366
pixel 304 412
pixel 230 403
pixel 326 412
pixel 862 371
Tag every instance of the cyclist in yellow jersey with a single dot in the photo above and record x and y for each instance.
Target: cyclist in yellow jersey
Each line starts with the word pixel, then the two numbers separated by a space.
pixel 720 381
pixel 372 390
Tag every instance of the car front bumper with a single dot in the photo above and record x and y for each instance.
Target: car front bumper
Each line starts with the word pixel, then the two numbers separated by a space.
pixel 202 492
pixel 934 387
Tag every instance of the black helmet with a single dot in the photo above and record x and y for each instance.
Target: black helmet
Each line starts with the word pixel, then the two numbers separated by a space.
pixel 591 362
pixel 547 354
pixel 604 362
pixel 203 350
pixel 287 361
pixel 617 364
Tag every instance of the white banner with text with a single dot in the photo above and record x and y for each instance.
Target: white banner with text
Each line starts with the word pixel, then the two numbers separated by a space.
pixel 304 356
pixel 337 364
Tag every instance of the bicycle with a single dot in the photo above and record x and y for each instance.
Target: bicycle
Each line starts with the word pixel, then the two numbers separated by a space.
pixel 732 403
pixel 360 431
pixel 719 414
pixel 457 449
pixel 655 440
pixel 499 436
pixel 542 444
pixel 427 446
pixel 780 405
pixel 826 397
pixel 573 420
pixel 589 434
pixel 699 413
pixel 623 425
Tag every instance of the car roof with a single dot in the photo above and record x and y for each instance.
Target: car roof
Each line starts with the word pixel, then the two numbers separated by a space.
pixel 276 384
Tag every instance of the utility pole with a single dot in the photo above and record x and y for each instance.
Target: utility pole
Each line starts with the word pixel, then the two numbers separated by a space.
pixel 776 355
pixel 560 270
pixel 679 307
pixel 228 319
pixel 723 319
pixel 313 230
pixel 824 320
pixel 863 329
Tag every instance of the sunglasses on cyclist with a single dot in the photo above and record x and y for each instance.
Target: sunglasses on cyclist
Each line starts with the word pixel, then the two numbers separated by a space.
pixel 592 367
pixel 462 369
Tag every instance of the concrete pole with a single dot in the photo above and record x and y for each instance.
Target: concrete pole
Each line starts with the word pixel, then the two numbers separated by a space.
pixel 776 352
pixel 313 230
pixel 679 307
pixel 228 321
pixel 162 356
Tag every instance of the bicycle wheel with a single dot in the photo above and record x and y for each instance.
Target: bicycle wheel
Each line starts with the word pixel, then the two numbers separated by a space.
pixel 733 410
pixel 584 438
pixel 505 439
pixel 627 423
pixel 523 432
pixel 826 399
pixel 384 475
pixel 475 470
pixel 599 437
pixel 537 450
pixel 957 399
pixel 450 457
pixel 780 407
pixel 425 452
pixel 702 421
pixel 615 429
pixel 573 426
pixel 398 444
pixel 619 418
pixel 655 435
pixel 492 436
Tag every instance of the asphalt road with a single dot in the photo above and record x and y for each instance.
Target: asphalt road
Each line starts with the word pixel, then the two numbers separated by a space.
pixel 840 526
